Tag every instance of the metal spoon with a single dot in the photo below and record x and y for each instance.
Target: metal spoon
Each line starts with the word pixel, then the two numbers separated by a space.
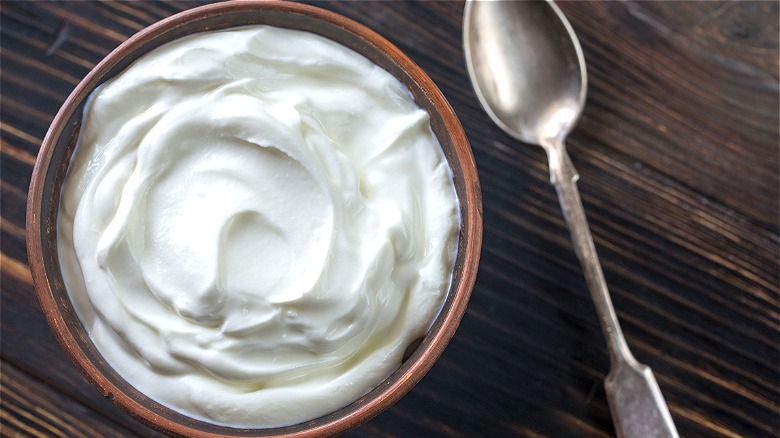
pixel 528 70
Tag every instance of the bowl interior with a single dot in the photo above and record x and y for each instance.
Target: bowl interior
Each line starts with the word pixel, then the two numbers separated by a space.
pixel 50 170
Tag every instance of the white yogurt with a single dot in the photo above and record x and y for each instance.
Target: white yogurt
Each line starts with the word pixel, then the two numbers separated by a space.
pixel 255 224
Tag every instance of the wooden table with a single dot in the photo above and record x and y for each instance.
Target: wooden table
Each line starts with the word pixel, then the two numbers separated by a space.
pixel 678 155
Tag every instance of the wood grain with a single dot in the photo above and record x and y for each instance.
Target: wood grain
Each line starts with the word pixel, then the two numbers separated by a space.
pixel 678 156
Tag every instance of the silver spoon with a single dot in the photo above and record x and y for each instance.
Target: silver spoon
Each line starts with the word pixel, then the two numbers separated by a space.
pixel 527 67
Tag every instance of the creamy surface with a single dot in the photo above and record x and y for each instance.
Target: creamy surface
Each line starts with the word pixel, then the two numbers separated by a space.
pixel 255 225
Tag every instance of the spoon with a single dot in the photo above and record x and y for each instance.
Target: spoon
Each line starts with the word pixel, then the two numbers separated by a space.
pixel 527 68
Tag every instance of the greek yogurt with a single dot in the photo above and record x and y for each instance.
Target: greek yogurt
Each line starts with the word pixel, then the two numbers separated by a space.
pixel 255 224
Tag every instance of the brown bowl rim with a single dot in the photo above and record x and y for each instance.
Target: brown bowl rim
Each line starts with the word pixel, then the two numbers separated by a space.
pixel 381 397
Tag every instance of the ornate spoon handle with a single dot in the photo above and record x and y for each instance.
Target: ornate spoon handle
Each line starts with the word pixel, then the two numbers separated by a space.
pixel 637 405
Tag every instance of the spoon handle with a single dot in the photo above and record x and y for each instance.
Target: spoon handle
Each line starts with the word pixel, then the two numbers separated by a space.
pixel 637 405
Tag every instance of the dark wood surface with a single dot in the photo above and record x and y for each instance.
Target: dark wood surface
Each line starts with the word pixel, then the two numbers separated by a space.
pixel 678 156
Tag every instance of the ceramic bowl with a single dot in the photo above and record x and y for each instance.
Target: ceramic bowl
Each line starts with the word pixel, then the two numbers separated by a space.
pixel 58 145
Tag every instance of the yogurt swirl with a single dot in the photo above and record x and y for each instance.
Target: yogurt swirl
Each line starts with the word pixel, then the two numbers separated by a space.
pixel 255 224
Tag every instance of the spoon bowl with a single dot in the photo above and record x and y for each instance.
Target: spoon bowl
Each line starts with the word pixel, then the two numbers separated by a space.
pixel 547 98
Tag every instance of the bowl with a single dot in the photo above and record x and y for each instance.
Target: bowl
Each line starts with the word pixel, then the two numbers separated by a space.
pixel 59 143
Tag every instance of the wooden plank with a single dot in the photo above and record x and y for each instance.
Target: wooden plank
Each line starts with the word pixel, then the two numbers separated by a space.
pixel 30 408
pixel 677 151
